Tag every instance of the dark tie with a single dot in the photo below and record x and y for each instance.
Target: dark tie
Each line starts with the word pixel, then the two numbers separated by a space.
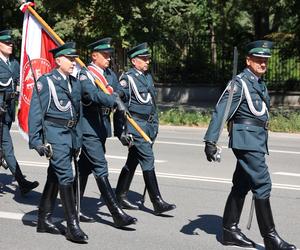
pixel 8 63
pixel 105 73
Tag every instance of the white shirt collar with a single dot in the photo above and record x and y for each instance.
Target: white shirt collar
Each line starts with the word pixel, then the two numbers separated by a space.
pixel 62 74
pixel 140 72
pixel 4 58
pixel 255 76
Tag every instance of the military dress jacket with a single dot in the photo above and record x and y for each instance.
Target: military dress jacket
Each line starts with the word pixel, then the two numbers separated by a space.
pixel 250 101
pixel 96 105
pixel 139 95
pixel 57 101
pixel 9 79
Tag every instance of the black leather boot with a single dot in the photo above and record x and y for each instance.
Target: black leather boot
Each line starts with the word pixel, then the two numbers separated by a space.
pixel 122 188
pixel 266 225
pixel 232 235
pixel 74 232
pixel 24 185
pixel 121 219
pixel 159 205
pixel 46 207
pixel 82 183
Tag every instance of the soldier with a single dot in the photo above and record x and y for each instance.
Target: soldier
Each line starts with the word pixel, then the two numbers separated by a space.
pixel 9 79
pixel 139 94
pixel 56 105
pixel 248 119
pixel 96 127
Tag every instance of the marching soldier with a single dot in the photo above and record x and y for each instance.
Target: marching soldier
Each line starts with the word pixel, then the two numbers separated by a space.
pixel 9 79
pixel 54 115
pixel 248 131
pixel 139 94
pixel 96 127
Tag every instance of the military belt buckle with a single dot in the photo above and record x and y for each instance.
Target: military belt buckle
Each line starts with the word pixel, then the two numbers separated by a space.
pixel 71 123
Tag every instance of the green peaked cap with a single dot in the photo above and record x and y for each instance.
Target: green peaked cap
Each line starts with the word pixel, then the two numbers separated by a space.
pixel 139 50
pixel 68 49
pixel 102 45
pixel 5 36
pixel 260 48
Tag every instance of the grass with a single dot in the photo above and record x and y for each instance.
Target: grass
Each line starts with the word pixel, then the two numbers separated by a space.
pixel 281 120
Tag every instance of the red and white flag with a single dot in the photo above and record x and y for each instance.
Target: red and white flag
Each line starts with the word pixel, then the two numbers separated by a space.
pixel 36 43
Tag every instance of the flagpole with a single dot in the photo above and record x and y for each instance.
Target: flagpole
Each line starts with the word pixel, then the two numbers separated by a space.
pixel 81 63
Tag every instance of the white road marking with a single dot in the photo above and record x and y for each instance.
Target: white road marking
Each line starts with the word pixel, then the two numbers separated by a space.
pixel 180 143
pixel 284 151
pixel 23 216
pixel 178 176
pixel 223 147
pixel 125 157
pixel 287 174
pixel 196 145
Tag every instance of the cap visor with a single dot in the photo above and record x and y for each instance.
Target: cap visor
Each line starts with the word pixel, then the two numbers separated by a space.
pixel 260 55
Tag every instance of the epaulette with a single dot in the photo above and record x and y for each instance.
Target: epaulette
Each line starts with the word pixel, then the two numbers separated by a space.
pixel 44 76
pixel 240 75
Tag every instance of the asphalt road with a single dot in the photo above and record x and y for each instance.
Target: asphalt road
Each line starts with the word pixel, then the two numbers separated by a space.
pixel 197 187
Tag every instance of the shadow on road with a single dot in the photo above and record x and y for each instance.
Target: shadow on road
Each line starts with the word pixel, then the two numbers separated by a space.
pixel 8 185
pixel 93 207
pixel 210 224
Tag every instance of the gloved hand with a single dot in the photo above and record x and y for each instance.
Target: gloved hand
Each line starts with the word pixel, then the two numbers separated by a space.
pixel 43 150
pixel 210 150
pixel 120 104
pixel 126 139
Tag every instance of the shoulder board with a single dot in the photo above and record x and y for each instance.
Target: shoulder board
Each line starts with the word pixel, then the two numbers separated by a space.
pixel 241 75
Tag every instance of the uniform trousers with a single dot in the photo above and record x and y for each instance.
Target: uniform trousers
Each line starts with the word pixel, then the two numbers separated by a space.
pixel 8 148
pixel 92 158
pixel 251 173
pixel 60 167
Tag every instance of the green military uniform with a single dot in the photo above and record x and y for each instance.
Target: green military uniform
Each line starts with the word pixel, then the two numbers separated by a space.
pixel 55 104
pixel 9 79
pixel 248 137
pixel 96 127
pixel 139 95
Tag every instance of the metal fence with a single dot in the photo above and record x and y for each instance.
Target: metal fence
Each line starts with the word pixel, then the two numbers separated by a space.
pixel 203 64
pixel 200 63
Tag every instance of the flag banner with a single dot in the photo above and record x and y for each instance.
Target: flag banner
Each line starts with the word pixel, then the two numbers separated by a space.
pixel 36 43
pixel 37 39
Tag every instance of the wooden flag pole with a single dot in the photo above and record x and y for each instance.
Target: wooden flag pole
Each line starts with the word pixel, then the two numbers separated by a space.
pixel 81 63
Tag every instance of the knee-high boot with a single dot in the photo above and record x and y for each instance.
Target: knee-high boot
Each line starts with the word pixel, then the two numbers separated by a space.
pixel 82 184
pixel 121 219
pixel 74 232
pixel 122 188
pixel 46 207
pixel 232 235
pixel 267 227
pixel 24 185
pixel 159 205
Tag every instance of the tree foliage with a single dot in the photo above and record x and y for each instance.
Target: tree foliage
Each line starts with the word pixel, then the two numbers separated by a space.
pixel 190 39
